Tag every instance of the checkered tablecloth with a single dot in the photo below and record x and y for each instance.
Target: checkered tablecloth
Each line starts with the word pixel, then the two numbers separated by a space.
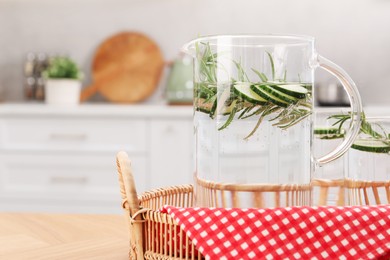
pixel 357 232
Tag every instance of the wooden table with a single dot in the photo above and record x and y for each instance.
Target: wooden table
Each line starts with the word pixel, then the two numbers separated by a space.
pixel 62 236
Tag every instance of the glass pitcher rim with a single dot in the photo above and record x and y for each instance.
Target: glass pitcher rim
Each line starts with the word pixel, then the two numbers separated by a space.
pixel 377 118
pixel 302 40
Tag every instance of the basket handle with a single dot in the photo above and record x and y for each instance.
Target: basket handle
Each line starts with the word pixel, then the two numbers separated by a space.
pixel 130 204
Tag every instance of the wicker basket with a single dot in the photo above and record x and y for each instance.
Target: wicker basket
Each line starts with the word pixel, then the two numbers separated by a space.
pixel 155 235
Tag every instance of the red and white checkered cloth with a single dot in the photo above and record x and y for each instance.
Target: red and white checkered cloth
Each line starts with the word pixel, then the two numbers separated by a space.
pixel 357 232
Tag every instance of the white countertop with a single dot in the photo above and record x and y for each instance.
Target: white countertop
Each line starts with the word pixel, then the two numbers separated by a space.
pixel 98 109
pixel 377 111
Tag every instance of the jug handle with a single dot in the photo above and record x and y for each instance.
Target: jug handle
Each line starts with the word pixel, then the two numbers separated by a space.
pixel 356 109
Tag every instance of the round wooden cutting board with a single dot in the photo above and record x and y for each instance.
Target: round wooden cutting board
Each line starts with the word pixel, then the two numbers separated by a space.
pixel 126 68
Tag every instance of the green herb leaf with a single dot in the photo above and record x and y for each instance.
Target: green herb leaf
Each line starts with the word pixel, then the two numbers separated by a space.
pixel 261 75
pixel 227 102
pixel 241 73
pixel 231 116
pixel 62 67
pixel 271 60
pixel 246 110
pixel 365 127
pixel 266 111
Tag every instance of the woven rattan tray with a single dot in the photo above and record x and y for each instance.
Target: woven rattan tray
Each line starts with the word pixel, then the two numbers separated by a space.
pixel 155 235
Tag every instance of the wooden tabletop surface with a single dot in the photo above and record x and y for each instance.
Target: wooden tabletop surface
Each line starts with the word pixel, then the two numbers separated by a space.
pixel 62 236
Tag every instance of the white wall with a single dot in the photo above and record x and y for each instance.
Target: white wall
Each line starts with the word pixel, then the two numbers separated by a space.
pixel 353 33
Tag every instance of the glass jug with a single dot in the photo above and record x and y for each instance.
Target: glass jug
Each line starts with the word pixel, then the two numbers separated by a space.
pixel 368 164
pixel 253 101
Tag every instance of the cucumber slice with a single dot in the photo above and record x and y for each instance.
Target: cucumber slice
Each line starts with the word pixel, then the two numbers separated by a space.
pixel 280 95
pixel 371 145
pixel 330 137
pixel 296 91
pixel 271 98
pixel 328 130
pixel 244 91
pixel 327 133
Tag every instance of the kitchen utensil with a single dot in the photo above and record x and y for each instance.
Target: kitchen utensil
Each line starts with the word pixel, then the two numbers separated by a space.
pixel 34 65
pixel 332 94
pixel 179 88
pixel 126 68
pixel 252 122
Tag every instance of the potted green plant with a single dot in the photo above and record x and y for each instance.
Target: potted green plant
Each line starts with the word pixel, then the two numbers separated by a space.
pixel 62 81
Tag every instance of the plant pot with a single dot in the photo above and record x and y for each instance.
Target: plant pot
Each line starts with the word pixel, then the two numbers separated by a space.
pixel 62 91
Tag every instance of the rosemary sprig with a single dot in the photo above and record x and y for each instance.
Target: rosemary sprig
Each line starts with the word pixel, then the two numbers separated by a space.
pixel 284 75
pixel 341 119
pixel 241 72
pixel 365 126
pixel 218 99
pixel 266 110
pixel 293 118
pixel 231 115
pixel 271 60
pixel 261 75
pixel 246 110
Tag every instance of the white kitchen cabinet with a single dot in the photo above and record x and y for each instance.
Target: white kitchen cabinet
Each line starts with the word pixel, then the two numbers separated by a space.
pixel 81 133
pixel 62 159
pixel 169 142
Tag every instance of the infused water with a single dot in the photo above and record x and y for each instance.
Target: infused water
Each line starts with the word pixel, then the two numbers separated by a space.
pixel 251 151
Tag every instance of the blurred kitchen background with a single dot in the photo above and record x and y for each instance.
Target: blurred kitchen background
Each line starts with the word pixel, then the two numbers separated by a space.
pixel 352 33
pixel 63 159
